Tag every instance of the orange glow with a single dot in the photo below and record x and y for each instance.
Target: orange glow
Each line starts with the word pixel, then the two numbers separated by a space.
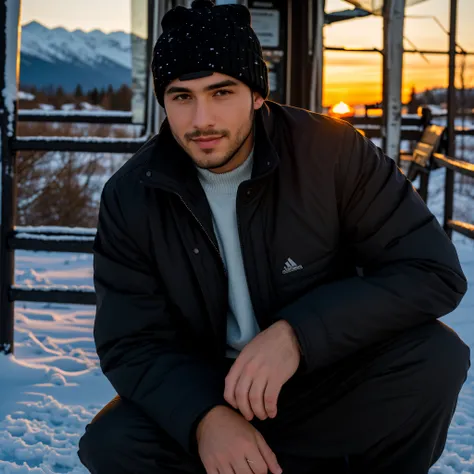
pixel 356 78
pixel 341 109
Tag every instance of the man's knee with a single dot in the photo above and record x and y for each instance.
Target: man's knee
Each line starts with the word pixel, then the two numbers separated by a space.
pixel 103 439
pixel 98 445
pixel 445 358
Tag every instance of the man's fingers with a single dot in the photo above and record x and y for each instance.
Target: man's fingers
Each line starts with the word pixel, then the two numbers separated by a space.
pixel 268 455
pixel 270 398
pixel 227 469
pixel 210 469
pixel 230 384
pixel 231 381
pixel 242 390
pixel 255 462
pixel 256 395
pixel 231 469
pixel 242 466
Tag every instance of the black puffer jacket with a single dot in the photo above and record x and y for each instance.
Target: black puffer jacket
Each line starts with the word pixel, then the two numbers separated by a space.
pixel 321 195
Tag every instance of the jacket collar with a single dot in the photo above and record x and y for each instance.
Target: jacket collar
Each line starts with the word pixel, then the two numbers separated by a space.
pixel 170 168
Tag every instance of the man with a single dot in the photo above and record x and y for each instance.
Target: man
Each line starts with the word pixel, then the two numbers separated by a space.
pixel 269 284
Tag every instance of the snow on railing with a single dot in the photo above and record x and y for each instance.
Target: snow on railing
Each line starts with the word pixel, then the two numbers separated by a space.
pixel 55 238
pixel 10 61
pixel 63 288
pixel 25 96
pixel 76 113
pixel 43 229
pixel 84 139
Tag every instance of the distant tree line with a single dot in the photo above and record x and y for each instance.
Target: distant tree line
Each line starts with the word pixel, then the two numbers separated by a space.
pixel 106 98
pixel 63 188
pixel 58 192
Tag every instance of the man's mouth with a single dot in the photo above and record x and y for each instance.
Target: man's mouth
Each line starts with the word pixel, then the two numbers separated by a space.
pixel 207 142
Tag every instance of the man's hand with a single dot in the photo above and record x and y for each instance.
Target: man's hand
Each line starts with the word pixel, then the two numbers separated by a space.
pixel 228 444
pixel 265 364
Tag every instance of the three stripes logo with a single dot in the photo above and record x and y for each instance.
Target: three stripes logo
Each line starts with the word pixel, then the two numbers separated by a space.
pixel 291 266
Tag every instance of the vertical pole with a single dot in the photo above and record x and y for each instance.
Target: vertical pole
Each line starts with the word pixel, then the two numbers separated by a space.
pixel 9 60
pixel 156 114
pixel 394 15
pixel 152 107
pixel 289 55
pixel 316 99
pixel 299 51
pixel 452 106
pixel 424 184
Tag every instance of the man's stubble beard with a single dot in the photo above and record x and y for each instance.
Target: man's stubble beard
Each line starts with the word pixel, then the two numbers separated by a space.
pixel 238 144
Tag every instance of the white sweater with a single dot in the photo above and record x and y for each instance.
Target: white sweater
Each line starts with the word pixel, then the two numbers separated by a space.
pixel 221 192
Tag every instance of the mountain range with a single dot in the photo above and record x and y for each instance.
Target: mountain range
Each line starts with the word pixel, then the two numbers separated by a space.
pixel 58 57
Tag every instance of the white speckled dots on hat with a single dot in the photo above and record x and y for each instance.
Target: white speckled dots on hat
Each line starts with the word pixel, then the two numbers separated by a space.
pixel 221 37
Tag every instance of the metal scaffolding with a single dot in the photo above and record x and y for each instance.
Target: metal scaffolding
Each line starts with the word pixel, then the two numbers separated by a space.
pixel 299 60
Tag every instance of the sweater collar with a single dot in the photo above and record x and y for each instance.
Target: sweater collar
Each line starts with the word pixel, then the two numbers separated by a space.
pixel 226 183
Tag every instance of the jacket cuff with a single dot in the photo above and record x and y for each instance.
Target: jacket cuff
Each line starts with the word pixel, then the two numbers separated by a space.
pixel 309 331
pixel 187 418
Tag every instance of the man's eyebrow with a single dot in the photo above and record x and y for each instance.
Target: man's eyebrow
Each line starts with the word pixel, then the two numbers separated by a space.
pixel 217 85
pixel 174 90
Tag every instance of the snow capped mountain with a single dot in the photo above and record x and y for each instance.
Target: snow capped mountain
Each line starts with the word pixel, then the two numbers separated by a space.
pixel 67 58
pixel 70 46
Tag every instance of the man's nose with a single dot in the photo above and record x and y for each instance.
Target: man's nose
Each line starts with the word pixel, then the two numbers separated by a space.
pixel 203 116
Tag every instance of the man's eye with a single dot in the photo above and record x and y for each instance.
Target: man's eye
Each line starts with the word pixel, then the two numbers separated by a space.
pixel 181 97
pixel 224 92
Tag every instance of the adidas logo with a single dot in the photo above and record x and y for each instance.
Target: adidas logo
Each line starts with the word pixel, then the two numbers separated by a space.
pixel 291 266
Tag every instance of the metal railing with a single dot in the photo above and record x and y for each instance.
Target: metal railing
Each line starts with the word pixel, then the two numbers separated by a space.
pixel 112 118
pixel 454 165
pixel 54 239
pixel 50 239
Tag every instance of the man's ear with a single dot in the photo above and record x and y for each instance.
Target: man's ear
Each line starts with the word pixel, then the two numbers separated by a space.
pixel 258 100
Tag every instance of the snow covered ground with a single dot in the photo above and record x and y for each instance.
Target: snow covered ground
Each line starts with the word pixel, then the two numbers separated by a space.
pixel 53 386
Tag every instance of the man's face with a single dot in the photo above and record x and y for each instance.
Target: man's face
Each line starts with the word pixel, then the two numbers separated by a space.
pixel 211 117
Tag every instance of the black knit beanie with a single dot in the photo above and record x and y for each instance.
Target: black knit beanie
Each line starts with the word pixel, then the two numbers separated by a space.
pixel 208 38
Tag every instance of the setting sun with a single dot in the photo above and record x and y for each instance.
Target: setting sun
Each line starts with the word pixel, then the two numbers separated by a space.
pixel 341 109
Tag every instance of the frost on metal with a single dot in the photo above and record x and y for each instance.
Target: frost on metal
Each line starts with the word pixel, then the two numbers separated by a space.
pixel 12 34
pixel 44 229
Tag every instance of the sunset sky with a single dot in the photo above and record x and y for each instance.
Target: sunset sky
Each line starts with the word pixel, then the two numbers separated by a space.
pixel 352 77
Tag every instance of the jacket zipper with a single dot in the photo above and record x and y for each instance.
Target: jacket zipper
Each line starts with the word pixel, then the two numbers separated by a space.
pixel 252 297
pixel 205 231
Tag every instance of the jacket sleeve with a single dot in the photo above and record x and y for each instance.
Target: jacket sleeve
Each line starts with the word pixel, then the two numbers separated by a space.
pixel 138 342
pixel 410 269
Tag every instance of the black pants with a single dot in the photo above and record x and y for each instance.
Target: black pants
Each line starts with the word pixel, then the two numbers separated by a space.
pixel 386 410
